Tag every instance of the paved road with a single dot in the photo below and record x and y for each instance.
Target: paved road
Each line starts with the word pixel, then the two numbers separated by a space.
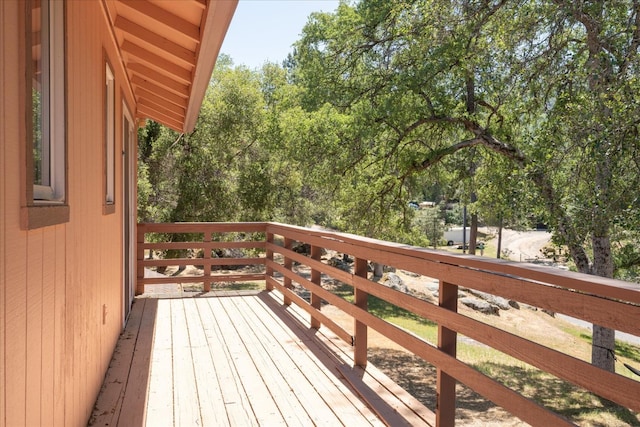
pixel 524 245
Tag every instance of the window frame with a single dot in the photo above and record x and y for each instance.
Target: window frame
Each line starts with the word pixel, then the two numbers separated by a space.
pixel 45 204
pixel 109 176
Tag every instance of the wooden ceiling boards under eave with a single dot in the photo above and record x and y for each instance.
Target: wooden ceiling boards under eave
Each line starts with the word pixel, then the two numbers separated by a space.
pixel 161 42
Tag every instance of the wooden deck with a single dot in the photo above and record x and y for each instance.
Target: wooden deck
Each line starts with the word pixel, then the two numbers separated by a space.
pixel 241 358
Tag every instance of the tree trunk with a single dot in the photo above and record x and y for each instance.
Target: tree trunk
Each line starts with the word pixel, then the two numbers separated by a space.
pixel 603 341
pixel 378 269
pixel 499 250
pixel 473 235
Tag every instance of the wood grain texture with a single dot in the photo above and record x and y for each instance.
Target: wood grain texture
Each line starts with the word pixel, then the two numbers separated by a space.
pixel 243 358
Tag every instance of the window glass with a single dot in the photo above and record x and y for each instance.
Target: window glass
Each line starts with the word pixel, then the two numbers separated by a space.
pixel 109 136
pixel 47 99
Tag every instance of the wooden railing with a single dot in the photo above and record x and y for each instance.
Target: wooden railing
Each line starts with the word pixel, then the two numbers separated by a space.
pixel 610 303
pixel 199 240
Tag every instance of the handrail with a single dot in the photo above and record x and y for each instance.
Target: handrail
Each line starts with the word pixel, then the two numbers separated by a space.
pixel 607 302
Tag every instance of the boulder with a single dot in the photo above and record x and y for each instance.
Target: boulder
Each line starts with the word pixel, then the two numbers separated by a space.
pixel 480 305
pixel 338 262
pixel 501 303
pixel 394 281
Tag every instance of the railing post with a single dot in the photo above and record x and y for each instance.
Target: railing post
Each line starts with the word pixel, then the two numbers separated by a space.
pixel 207 262
pixel 288 263
pixel 140 259
pixel 315 300
pixel 445 384
pixel 360 298
pixel 269 256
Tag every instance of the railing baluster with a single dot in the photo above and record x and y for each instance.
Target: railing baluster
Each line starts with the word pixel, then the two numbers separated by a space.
pixel 269 256
pixel 445 384
pixel 140 256
pixel 207 265
pixel 316 301
pixel 288 263
pixel 360 329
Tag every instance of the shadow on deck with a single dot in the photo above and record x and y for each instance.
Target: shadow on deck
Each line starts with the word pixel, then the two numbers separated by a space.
pixel 241 358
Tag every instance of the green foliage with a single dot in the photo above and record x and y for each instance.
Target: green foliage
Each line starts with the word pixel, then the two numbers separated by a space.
pixel 522 111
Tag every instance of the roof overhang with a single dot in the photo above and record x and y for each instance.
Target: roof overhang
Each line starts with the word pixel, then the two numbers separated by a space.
pixel 168 49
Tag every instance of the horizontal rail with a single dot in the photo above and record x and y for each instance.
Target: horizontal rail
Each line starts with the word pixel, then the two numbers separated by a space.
pixel 606 302
pixel 202 261
pixel 203 239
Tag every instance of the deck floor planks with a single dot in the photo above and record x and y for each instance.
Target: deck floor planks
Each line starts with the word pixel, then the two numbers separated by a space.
pixel 318 392
pixel 237 407
pixel 107 409
pixel 243 359
pixel 212 407
pixel 390 401
pixel 185 394
pixel 135 397
pixel 257 393
pixel 347 403
pixel 160 396
pixel 275 366
pixel 235 400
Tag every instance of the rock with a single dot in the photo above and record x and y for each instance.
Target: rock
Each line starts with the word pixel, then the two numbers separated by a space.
pixel 301 248
pixel 338 262
pixel 480 305
pixel 394 281
pixel 410 273
pixel 501 303
pixel 514 304
pixel 433 287
pixel 228 253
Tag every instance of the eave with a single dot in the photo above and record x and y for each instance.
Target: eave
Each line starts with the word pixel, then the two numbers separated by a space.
pixel 169 49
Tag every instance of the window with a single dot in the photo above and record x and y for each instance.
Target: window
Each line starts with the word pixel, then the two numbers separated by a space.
pixel 46 106
pixel 109 136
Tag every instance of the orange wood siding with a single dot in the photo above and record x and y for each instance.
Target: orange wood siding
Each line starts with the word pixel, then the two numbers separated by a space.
pixel 3 137
pixel 56 281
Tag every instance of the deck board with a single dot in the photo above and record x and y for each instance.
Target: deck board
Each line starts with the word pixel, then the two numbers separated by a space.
pixel 241 358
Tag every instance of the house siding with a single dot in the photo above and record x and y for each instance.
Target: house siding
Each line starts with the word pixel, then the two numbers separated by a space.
pixel 56 282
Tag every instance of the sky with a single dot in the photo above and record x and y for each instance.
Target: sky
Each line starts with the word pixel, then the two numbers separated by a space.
pixel 264 30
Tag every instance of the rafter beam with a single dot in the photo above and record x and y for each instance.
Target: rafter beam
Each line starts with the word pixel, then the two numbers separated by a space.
pixel 151 58
pixel 143 103
pixel 159 117
pixel 161 102
pixel 164 17
pixel 159 78
pixel 158 91
pixel 139 32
